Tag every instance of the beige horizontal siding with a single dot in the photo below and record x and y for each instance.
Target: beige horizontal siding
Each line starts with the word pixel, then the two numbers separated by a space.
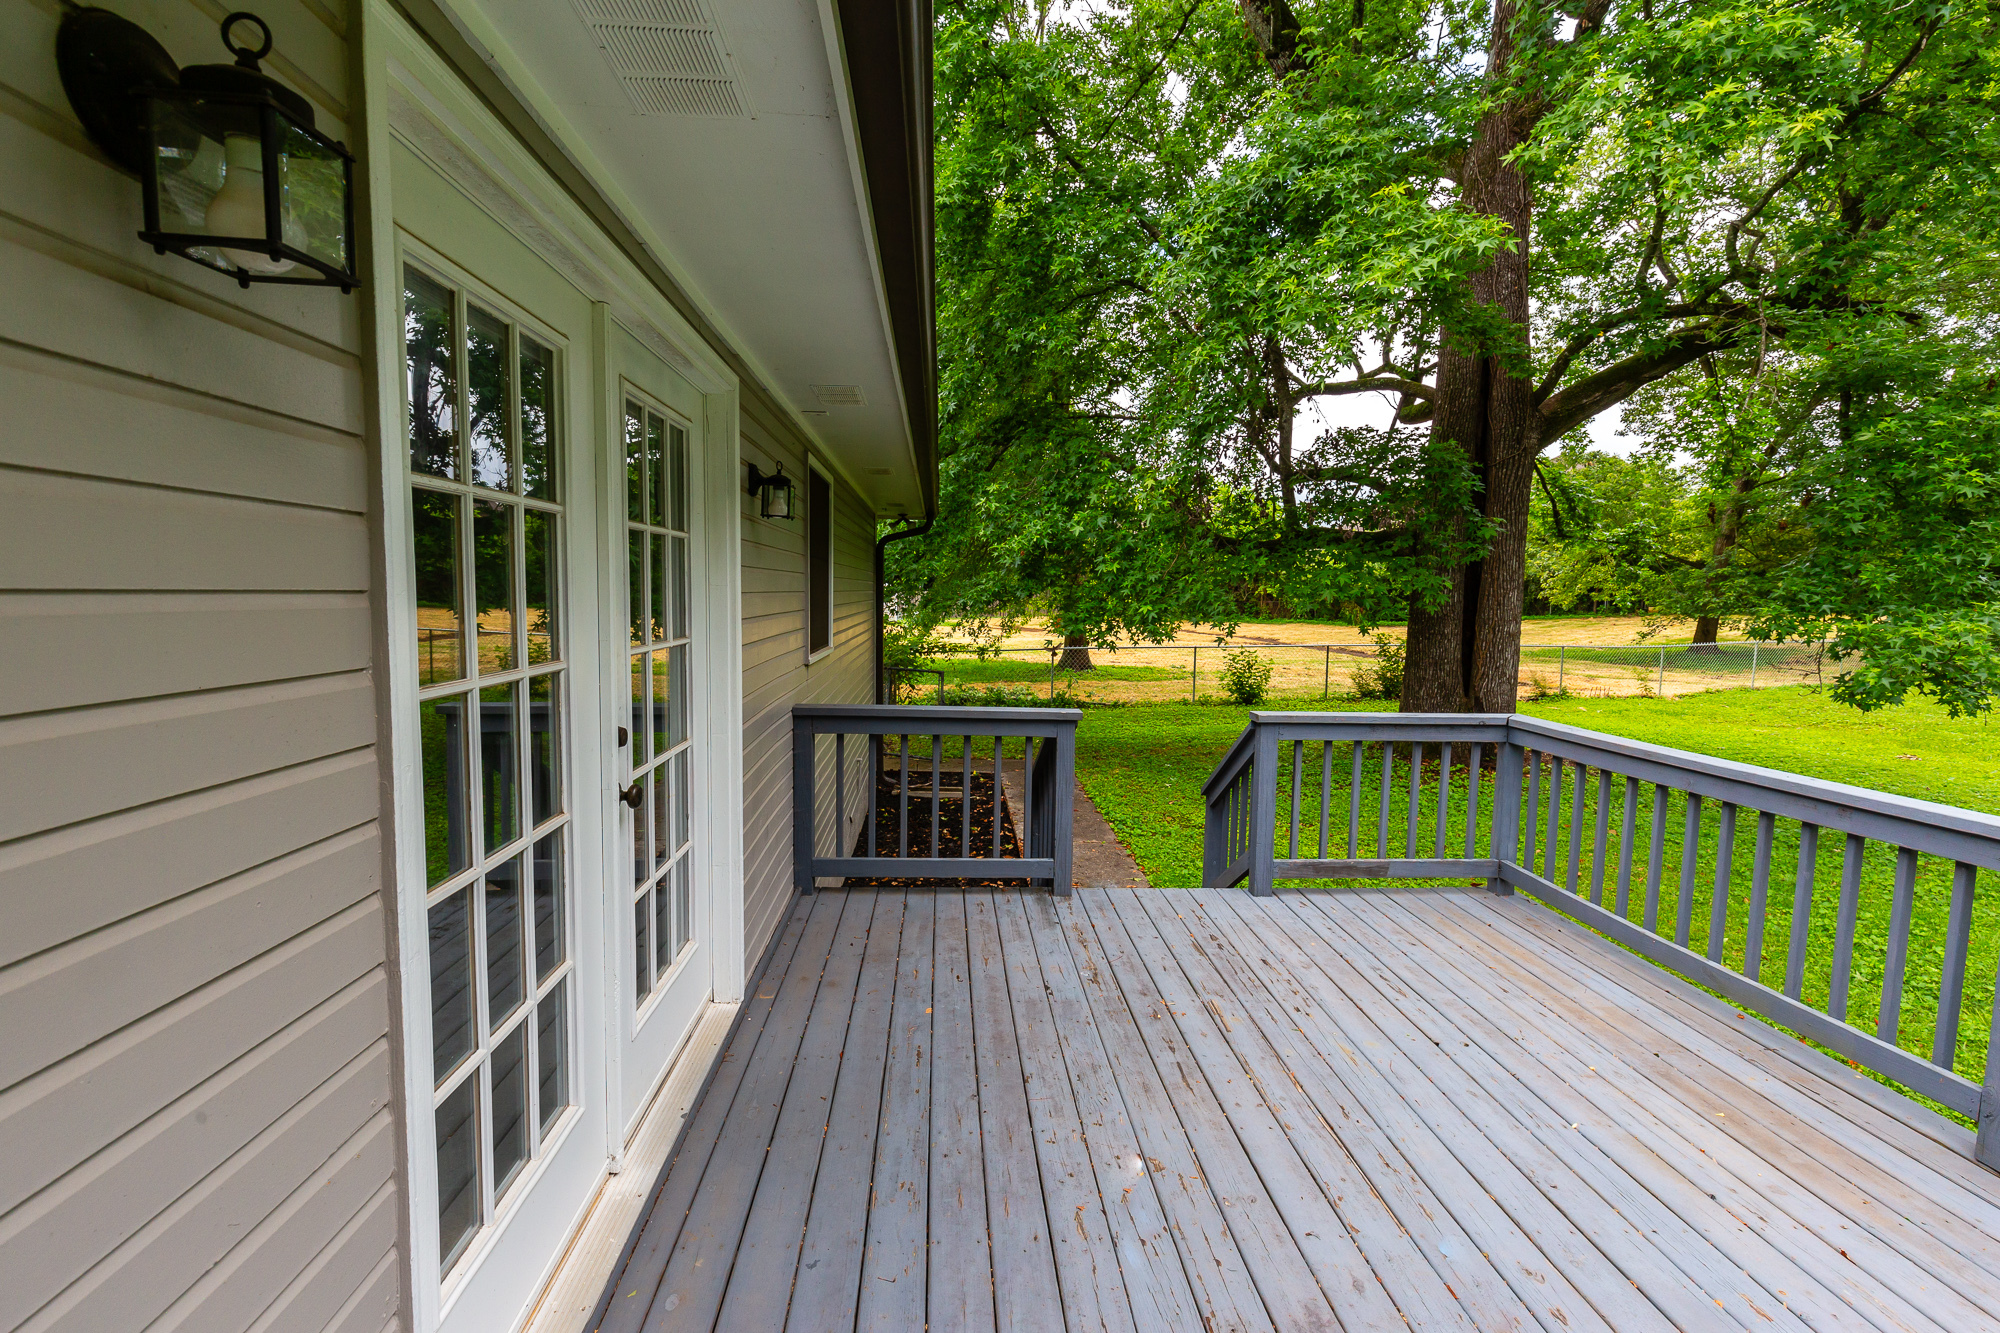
pixel 196 1123
pixel 776 675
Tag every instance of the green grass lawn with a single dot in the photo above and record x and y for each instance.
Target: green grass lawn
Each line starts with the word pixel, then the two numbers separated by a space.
pixel 1004 670
pixel 1144 765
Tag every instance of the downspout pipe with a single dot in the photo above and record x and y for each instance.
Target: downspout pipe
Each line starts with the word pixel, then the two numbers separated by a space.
pixel 882 605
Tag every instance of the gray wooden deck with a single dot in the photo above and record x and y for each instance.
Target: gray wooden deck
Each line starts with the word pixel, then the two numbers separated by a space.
pixel 1152 1109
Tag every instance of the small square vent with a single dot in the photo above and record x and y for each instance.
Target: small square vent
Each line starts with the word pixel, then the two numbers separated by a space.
pixel 839 395
pixel 669 55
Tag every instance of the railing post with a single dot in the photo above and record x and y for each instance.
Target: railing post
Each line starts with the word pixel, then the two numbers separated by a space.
pixel 1064 808
pixel 802 804
pixel 1986 1144
pixel 1506 809
pixel 1264 812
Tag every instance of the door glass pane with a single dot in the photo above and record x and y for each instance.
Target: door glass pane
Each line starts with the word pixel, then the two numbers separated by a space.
pixel 506 980
pixel 458 1170
pixel 429 344
pixel 641 863
pixel 548 905
pixel 510 1108
pixel 656 464
pixel 538 543
pixel 677 549
pixel 451 983
pixel 636 583
pixel 661 826
pixel 663 923
pixel 538 405
pixel 635 463
pixel 499 773
pixel 493 571
pixel 681 800
pixel 552 1045
pixel 440 634
pixel 447 842
pixel 642 955
pixel 677 511
pixel 545 745
pixel 677 715
pixel 488 370
pixel 642 727
pixel 656 627
pixel 683 898
pixel 665 699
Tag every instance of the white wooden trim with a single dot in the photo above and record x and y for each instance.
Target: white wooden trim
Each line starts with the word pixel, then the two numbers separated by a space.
pixel 722 650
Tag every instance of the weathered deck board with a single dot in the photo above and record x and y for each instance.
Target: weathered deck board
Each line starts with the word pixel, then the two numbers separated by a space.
pixel 1147 1109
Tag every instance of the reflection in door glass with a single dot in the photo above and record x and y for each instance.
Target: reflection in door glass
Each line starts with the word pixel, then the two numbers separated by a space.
pixel 493 569
pixel 636 584
pixel 538 405
pixel 635 463
pixel 666 700
pixel 506 964
pixel 488 370
pixel 447 848
pixel 552 1036
pixel 499 774
pixel 451 983
pixel 440 635
pixel 538 551
pixel 663 927
pixel 510 1107
pixel 642 957
pixel 548 905
pixel 545 746
pixel 458 1170
pixel 429 347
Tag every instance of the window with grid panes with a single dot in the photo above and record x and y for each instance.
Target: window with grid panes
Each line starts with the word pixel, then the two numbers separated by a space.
pixel 656 533
pixel 486 528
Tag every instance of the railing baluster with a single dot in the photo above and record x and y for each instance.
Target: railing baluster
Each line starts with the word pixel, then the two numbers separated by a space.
pixel 1718 908
pixel 998 742
pixel 1760 897
pixel 1444 796
pixel 903 802
pixel 1597 842
pixel 1555 817
pixel 1027 796
pixel 839 793
pixel 1654 855
pixel 1625 830
pixel 1690 850
pixel 1354 805
pixel 965 796
pixel 1576 825
pixel 1416 794
pixel 1534 812
pixel 1951 985
pixel 937 787
pixel 1325 798
pixel 874 787
pixel 1472 802
pixel 1889 1015
pixel 1298 781
pixel 1843 928
pixel 1382 831
pixel 1802 892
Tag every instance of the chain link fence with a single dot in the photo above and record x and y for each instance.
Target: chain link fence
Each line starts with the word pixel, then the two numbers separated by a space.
pixel 1164 673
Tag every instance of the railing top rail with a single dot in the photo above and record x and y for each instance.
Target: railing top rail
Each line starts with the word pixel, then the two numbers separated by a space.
pixel 934 715
pixel 1233 761
pixel 1814 800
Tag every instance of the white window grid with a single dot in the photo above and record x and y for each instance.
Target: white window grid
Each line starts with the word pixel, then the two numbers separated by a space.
pixel 471 684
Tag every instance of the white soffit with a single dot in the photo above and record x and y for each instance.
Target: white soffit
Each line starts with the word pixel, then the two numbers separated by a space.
pixel 717 125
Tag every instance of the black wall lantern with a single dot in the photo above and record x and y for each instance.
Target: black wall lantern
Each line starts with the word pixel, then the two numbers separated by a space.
pixel 236 178
pixel 773 490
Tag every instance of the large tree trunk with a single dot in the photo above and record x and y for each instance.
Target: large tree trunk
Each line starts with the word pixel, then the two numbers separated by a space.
pixel 1076 652
pixel 1727 533
pixel 1485 407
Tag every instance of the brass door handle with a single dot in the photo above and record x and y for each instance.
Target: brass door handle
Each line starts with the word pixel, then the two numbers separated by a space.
pixel 634 795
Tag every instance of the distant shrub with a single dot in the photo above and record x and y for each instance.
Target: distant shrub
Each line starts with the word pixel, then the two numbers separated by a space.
pixel 1006 696
pixel 1246 677
pixel 1382 678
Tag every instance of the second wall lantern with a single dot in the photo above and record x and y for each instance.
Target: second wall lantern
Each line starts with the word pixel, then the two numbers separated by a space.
pixel 234 173
pixel 774 492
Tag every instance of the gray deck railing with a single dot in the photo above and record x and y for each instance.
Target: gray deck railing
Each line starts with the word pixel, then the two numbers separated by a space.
pixel 1526 804
pixel 859 760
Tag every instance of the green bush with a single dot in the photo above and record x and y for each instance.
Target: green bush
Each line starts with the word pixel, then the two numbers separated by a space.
pixel 1382 678
pixel 1246 677
pixel 1005 696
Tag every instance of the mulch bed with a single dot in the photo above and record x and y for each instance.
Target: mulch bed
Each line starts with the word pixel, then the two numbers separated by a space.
pixel 950 792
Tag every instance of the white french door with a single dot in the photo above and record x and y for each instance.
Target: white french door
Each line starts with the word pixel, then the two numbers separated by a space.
pixel 661 738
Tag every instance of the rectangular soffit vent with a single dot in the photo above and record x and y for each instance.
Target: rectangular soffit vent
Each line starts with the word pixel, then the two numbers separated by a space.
pixel 839 395
pixel 669 55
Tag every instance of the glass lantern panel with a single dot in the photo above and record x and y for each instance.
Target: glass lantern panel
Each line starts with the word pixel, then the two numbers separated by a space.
pixel 189 167
pixel 312 180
